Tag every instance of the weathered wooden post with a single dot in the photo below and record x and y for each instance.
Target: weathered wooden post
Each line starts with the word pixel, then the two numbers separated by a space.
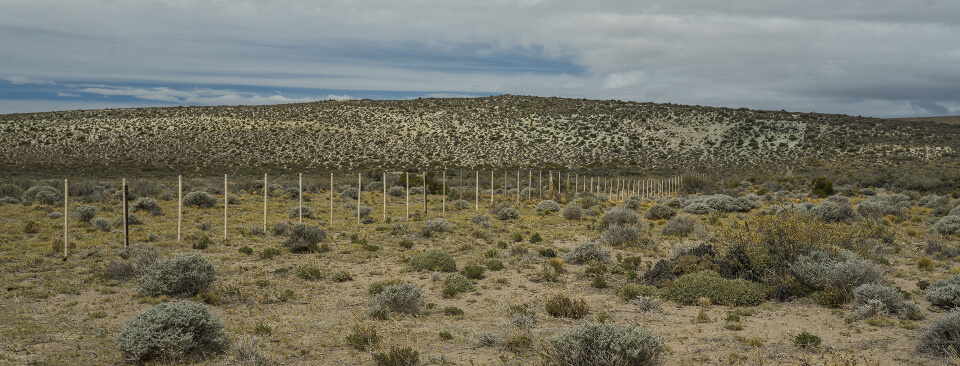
pixel 359 194
pixel 540 185
pixel 300 195
pixel 491 188
pixel 529 185
pixel 406 175
pixel 552 196
pixel 476 197
pixel 504 186
pixel 126 231
pixel 443 194
pixel 266 192
pixel 518 189
pixel 384 181
pixel 331 201
pixel 66 213
pixel 460 187
pixel 179 205
pixel 226 201
pixel 424 195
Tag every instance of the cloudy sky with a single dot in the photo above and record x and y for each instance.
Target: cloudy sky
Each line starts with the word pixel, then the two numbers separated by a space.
pixel 884 58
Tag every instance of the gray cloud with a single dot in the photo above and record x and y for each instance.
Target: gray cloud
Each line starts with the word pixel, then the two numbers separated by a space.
pixel 866 57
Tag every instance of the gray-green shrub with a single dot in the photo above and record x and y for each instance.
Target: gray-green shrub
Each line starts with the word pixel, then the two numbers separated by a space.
pixel 404 299
pixel 456 283
pixel 437 225
pixel 147 204
pixel 171 329
pixel 617 235
pixel 350 193
pixel 606 344
pixel 680 225
pixel 434 260
pixel 184 274
pixel 945 292
pixel 307 213
pixel 572 212
pixel 548 206
pixel 85 213
pixel 587 251
pixel 508 213
pixel 943 336
pixel 689 288
pixel 620 216
pixel 831 211
pixel 396 191
pixel 660 212
pixel 948 225
pixel 101 224
pixel 304 238
pixel 200 199
pixel 44 195
pixel 697 208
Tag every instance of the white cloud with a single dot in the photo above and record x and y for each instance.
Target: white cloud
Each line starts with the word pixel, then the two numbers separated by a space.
pixel 23 80
pixel 197 96
pixel 68 95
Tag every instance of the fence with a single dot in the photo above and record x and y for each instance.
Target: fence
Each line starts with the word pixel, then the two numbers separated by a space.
pixel 616 189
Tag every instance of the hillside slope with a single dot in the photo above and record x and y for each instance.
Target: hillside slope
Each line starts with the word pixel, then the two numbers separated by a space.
pixel 501 132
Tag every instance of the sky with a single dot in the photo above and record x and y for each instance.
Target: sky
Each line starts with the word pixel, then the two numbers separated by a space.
pixel 881 58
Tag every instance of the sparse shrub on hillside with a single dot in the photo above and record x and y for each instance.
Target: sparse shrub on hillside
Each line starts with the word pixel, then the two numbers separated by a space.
pixel 281 228
pixel 9 200
pixel 307 213
pixel 617 235
pixel 876 209
pixel 404 299
pixel 528 192
pixel 873 299
pixel 633 203
pixel 945 292
pixel 396 191
pixel 186 274
pixel 620 216
pixel 434 260
pixel 821 187
pixel 132 219
pixel 955 211
pixel 171 330
pixel 943 336
pixel 572 212
pixel 437 225
pixel 831 211
pixel 42 195
pixel 10 190
pixel 483 220
pixel 680 225
pixel 397 356
pixel 560 306
pixel 101 224
pixel 697 208
pixel 606 344
pixel 85 213
pixel 147 204
pixel 456 283
pixel 689 288
pixel 948 225
pixel 200 199
pixel 304 238
pixel 660 212
pixel 588 251
pixel 508 213
pixel 460 204
pixel 548 206
pixel 363 337
pixel 350 193
pixel 134 263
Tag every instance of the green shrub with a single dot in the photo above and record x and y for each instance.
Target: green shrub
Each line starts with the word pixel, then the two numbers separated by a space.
pixel 948 225
pixel 245 250
pixel 452 311
pixel 572 212
pixel 396 191
pixel 689 288
pixel 617 235
pixel 101 224
pixel 341 276
pixel 132 219
pixel 309 273
pixel 606 344
pixel 508 213
pixel 378 286
pixel 560 306
pixel 588 251
pixel 363 337
pixel 434 260
pixel 548 206
pixel 269 253
pixel 945 292
pixel 147 204
pixel 598 282
pixel 620 216
pixel 397 357
pixel 461 204
pixel 473 272
pixel 437 225
pixel 807 340
pixel 405 299
pixel 494 265
pixel 10 190
pixel 307 213
pixel 660 212
pixel 304 238
pixel 405 244
pixel 456 283
pixel 941 338
pixel 822 187
pixel 202 242
pixel 831 211
pixel 535 238
pixel 171 330
pixel 350 193
pixel 185 274
pixel 200 199
pixel 85 213
pixel 43 195
pixel 680 225
pixel 135 261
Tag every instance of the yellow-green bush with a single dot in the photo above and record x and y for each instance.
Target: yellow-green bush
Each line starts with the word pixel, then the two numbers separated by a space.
pixel 689 288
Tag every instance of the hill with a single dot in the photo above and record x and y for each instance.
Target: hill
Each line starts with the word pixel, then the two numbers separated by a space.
pixel 603 136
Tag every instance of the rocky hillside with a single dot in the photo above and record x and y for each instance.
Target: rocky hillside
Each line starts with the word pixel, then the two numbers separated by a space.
pixel 501 132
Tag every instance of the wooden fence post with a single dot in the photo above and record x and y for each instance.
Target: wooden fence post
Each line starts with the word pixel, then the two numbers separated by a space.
pixel 226 201
pixel 407 176
pixel 529 185
pixel 266 192
pixel 384 181
pixel 518 189
pixel 300 195
pixel 126 232
pixel 359 194
pixel 331 201
pixel 540 185
pixel 491 188
pixel 443 194
pixel 424 195
pixel 179 205
pixel 476 196
pixel 66 213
